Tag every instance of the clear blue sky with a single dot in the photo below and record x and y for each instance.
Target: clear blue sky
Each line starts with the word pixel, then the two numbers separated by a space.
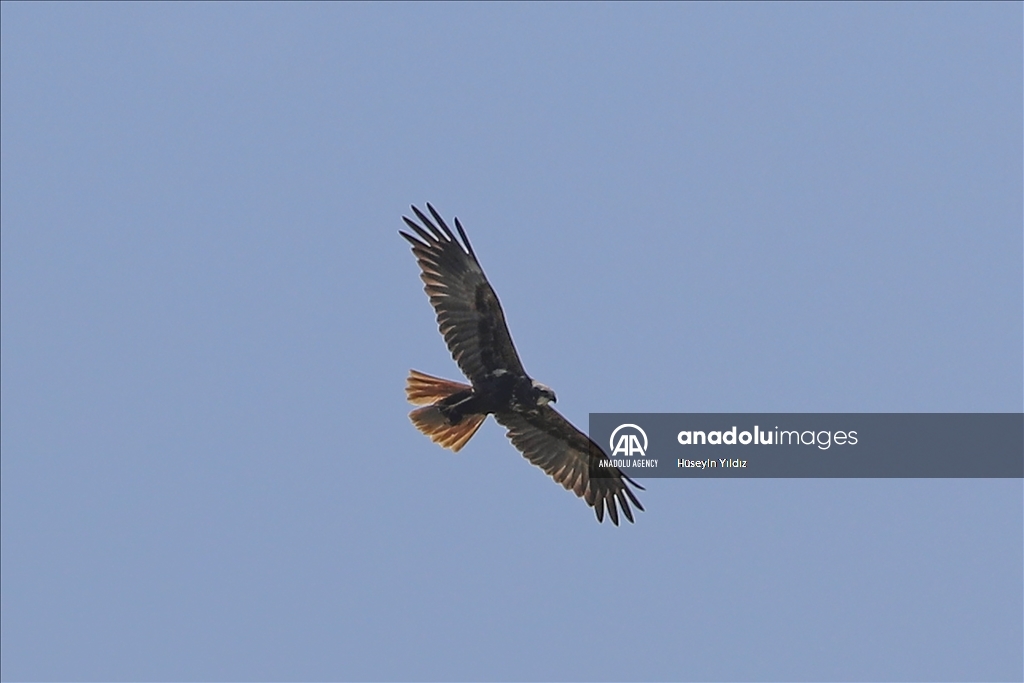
pixel 208 315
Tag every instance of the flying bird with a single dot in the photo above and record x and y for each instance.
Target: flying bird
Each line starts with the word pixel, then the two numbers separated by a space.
pixel 473 325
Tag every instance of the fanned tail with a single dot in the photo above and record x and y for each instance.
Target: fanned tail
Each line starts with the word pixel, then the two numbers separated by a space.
pixel 423 389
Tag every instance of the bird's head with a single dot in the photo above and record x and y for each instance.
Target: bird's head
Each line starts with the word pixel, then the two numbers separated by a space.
pixel 543 394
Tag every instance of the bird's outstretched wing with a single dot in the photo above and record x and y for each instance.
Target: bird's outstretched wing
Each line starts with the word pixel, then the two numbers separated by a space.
pixel 552 443
pixel 468 312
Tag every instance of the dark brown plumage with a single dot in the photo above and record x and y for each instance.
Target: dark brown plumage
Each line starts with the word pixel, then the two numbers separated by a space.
pixel 473 325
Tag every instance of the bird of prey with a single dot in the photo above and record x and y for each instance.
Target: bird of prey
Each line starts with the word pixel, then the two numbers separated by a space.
pixel 473 325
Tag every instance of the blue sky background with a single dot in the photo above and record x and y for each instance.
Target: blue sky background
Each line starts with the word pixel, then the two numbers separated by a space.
pixel 208 315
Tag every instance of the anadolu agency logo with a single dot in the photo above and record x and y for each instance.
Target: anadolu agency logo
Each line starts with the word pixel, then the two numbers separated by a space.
pixel 628 441
pixel 628 444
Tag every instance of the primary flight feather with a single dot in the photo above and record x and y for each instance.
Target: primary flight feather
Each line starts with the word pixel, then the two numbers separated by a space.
pixel 473 325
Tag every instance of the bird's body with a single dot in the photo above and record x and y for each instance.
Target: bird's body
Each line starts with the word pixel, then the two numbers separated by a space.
pixel 473 324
